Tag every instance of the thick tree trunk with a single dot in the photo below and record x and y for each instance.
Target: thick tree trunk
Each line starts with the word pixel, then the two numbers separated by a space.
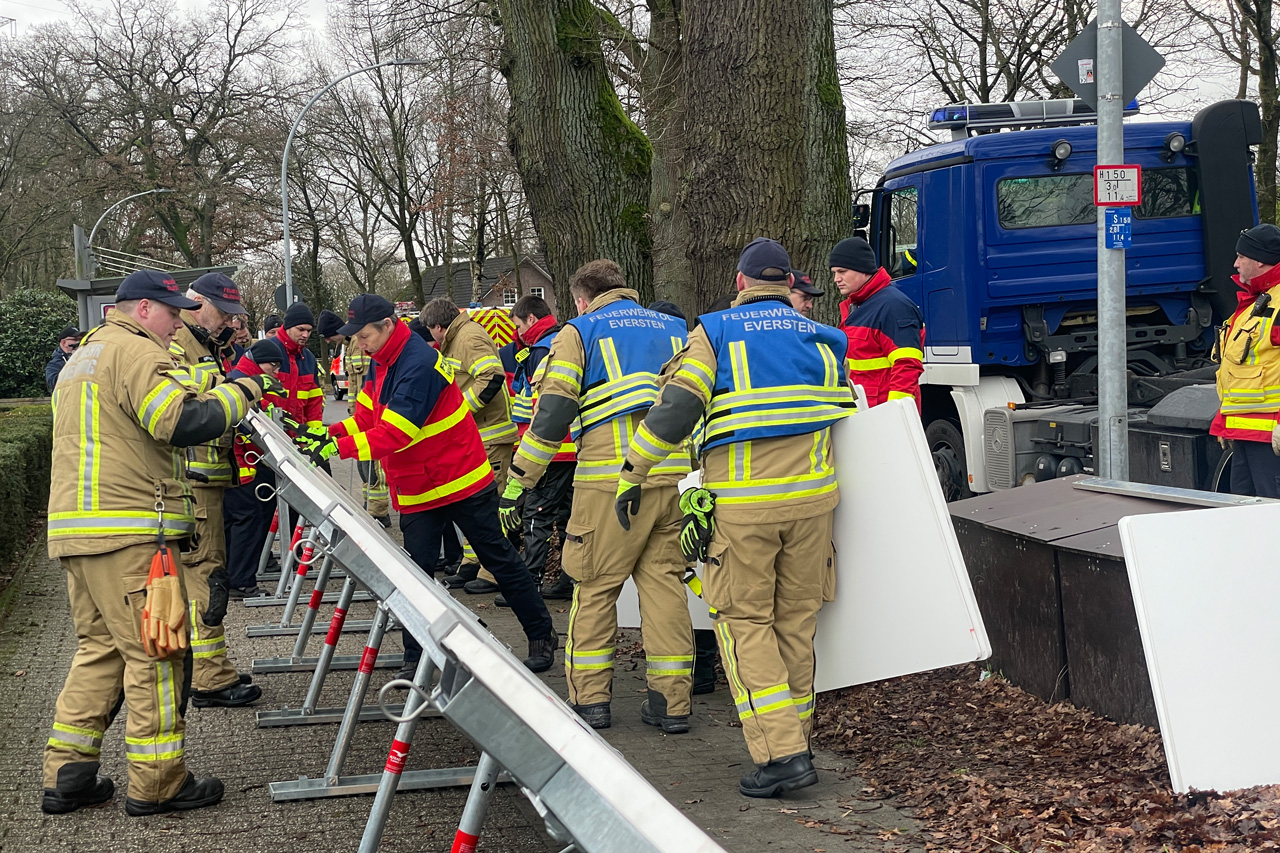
pixel 827 206
pixel 585 166
pixel 661 71
pixel 766 120
pixel 1268 91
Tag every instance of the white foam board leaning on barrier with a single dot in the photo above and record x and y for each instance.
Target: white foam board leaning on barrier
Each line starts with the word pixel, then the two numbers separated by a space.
pixel 904 602
pixel 1207 592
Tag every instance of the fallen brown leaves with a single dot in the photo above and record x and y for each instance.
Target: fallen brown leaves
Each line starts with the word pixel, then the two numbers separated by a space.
pixel 988 767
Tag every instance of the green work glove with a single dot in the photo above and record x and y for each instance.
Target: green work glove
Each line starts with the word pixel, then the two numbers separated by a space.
pixel 698 506
pixel 626 502
pixel 316 450
pixel 508 511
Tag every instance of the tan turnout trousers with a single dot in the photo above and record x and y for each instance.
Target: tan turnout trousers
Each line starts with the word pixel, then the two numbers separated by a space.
pixel 600 555
pixel 210 668
pixel 107 593
pixel 766 583
pixel 377 498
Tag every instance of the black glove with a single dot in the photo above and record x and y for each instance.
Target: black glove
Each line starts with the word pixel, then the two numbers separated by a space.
pixel 219 592
pixel 627 502
pixel 508 507
pixel 268 384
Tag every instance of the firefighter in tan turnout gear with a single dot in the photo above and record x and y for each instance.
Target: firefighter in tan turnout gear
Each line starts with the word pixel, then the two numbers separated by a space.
pixel 482 380
pixel 121 415
pixel 770 383
pixel 210 469
pixel 603 367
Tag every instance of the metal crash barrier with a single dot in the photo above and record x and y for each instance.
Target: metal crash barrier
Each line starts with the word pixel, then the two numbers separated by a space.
pixel 589 796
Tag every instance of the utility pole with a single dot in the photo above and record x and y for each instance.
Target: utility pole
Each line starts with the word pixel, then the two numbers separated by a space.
pixel 1112 459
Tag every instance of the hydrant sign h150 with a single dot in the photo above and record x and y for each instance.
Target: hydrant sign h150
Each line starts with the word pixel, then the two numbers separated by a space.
pixel 1117 186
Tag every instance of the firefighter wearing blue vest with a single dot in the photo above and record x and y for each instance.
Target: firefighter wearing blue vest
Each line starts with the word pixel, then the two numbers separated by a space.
pixel 769 383
pixel 603 367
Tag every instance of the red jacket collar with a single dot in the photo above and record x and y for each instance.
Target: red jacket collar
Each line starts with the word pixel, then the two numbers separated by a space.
pixel 874 285
pixel 1264 282
pixel 287 342
pixel 538 330
pixel 395 344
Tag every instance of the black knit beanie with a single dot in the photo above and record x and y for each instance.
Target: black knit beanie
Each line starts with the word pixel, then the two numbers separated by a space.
pixel 1261 243
pixel 854 253
pixel 299 315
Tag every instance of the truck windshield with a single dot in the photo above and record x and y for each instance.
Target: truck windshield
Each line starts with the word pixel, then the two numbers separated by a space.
pixel 1050 200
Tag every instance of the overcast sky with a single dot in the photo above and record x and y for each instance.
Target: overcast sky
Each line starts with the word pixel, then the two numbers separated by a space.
pixel 28 12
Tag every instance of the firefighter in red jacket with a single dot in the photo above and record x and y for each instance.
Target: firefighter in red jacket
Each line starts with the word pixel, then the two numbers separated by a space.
pixel 299 373
pixel 1249 372
pixel 412 418
pixel 884 327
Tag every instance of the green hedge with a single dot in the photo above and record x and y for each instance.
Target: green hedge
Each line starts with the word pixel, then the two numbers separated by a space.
pixel 30 321
pixel 26 449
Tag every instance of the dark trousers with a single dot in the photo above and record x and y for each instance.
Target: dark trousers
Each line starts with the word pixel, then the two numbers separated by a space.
pixel 246 521
pixel 1255 469
pixel 452 546
pixel 477 517
pixel 546 505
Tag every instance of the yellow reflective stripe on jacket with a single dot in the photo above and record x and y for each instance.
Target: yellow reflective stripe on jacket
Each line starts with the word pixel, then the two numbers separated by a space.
pixel 566 371
pixel 77 738
pixel 699 374
pixel 537 451
pixel 308 393
pixel 483 363
pixel 900 395
pixel 90 448
pixel 156 403
pixel 472 399
pixel 363 453
pixel 905 352
pixel 118 522
pixel 499 432
pixel 418 433
pixel 863 365
pixel 233 401
pixel 453 486
pixel 1257 424
pixel 650 446
pixel 755 491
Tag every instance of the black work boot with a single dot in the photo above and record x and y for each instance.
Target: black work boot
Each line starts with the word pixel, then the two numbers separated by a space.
pixel 194 794
pixel 542 653
pixel 500 600
pixel 597 716
pixel 562 589
pixel 232 696
pixel 786 774
pixel 464 575
pixel 705 656
pixel 408 670
pixel 653 712
pixel 79 785
pixel 480 587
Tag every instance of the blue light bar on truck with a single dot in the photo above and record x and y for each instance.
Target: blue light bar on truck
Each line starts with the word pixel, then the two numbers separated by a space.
pixel 961 118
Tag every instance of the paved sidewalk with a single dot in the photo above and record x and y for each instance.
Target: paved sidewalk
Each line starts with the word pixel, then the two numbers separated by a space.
pixel 698 771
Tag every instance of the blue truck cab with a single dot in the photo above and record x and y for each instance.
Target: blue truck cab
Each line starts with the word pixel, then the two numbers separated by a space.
pixel 994 234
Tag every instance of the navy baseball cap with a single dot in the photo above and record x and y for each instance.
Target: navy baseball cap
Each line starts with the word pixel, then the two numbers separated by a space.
pixel 219 290
pixel 156 286
pixel 765 259
pixel 804 284
pixel 365 309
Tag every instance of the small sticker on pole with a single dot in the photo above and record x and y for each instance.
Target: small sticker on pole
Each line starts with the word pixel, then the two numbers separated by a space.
pixel 1086 70
pixel 1117 186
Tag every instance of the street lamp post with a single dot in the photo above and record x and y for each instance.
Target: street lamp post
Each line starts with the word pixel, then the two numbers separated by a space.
pixel 94 229
pixel 284 165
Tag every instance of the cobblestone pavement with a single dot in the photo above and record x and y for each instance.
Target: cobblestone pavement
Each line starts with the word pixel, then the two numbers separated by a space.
pixel 697 772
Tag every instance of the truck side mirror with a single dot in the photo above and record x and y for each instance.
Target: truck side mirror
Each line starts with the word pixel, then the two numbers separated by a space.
pixel 861 215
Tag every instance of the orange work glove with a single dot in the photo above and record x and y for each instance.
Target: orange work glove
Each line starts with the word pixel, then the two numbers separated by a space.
pixel 164 613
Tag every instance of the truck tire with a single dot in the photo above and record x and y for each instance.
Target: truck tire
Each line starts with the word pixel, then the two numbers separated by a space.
pixel 946 445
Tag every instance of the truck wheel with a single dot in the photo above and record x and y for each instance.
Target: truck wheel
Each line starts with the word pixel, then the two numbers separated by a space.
pixel 946 445
pixel 1220 479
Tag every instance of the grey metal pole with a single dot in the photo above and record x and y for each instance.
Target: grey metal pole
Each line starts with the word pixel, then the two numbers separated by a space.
pixel 355 702
pixel 1112 458
pixel 284 165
